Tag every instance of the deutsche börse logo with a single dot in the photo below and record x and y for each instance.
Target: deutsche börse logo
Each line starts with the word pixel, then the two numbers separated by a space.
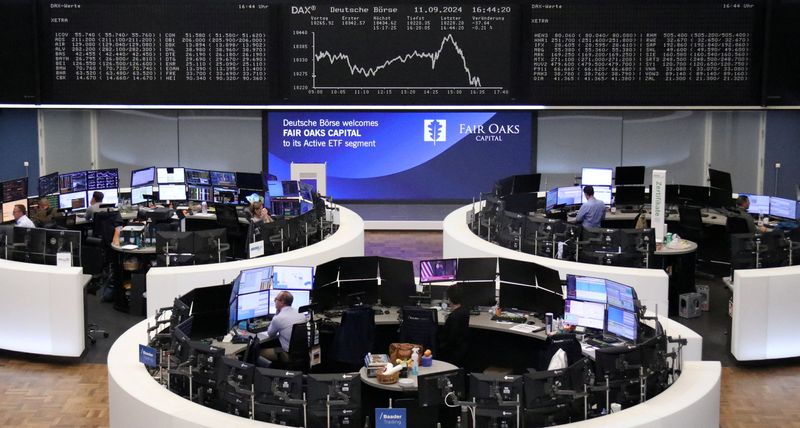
pixel 435 130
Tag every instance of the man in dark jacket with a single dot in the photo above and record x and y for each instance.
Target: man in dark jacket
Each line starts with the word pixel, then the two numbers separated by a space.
pixel 454 336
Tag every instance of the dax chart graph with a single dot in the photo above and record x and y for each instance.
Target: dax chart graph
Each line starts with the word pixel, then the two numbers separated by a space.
pixel 385 53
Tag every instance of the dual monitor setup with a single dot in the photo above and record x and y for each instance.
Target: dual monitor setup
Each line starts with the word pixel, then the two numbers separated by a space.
pixel 602 304
pixel 601 180
pixel 773 206
pixel 75 189
pixel 254 291
pixel 186 248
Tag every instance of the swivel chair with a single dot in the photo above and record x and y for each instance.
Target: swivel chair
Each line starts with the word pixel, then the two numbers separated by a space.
pixel 419 326
pixel 354 337
pixel 298 354
pixel 229 219
pixel 566 341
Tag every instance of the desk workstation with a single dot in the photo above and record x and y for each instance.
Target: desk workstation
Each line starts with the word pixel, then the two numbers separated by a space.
pixel 135 383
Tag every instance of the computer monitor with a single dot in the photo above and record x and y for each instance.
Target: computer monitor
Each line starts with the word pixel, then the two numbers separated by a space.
pixel 437 270
pixel 641 240
pixel 6 236
pixel 602 239
pixel 291 188
pixel 720 198
pixel 249 180
pixel 172 192
pixel 629 195
pixel 8 208
pixel 274 188
pixel 141 194
pixel 720 179
pixel 759 204
pixel 342 387
pixel 601 193
pixel 586 288
pixel 671 194
pixel 100 179
pixel 397 281
pixel 551 200
pixel 110 196
pixel 476 269
pixel 48 184
pixel 596 176
pixel 629 175
pixel 170 175
pixel 523 183
pixel 433 388
pixel 516 272
pixel 72 201
pixel 140 177
pixel 174 242
pixel 293 277
pixel 622 323
pixel 197 177
pixel 253 305
pixel 249 196
pixel 486 388
pixel 519 297
pixel 585 314
pixel 226 195
pixel 571 195
pixel 300 298
pixel 548 279
pixel 72 182
pixel 273 386
pixel 621 295
pixel 208 243
pixel 253 280
pixel 479 293
pixel 223 179
pixel 783 208
pixel 698 195
pixel 199 193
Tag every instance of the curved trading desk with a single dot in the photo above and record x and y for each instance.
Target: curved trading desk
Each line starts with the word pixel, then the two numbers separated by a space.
pixel 652 285
pixel 765 314
pixel 165 283
pixel 135 399
pixel 41 309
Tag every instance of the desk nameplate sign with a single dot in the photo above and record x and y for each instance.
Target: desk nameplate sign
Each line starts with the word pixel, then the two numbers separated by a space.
pixel 390 418
pixel 63 259
pixel 256 249
pixel 148 356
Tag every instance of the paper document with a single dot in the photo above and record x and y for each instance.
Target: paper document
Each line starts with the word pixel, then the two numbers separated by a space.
pixel 129 247
pixel 527 328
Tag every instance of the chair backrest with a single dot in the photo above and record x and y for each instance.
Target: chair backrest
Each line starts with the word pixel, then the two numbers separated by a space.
pixel 298 344
pixel 104 224
pixel 690 217
pixel 419 325
pixel 566 341
pixel 355 335
pixel 737 224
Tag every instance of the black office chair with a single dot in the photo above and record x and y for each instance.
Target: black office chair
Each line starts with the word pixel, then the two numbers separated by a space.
pixel 298 356
pixel 737 224
pixel 419 326
pixel 355 336
pixel 691 225
pixel 228 218
pixel 566 341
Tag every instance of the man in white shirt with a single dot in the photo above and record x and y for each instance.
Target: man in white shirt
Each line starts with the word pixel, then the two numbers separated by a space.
pixel 21 217
pixel 97 199
pixel 281 327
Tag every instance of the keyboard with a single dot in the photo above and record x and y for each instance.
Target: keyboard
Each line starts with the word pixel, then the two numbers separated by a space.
pixel 628 210
pixel 258 326
pixel 334 313
pixel 601 342
pixel 515 318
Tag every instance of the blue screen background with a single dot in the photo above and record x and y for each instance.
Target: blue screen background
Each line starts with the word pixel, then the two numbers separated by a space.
pixel 402 165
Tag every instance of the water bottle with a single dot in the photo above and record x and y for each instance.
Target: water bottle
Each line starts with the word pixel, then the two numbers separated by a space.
pixel 415 361
pixel 204 207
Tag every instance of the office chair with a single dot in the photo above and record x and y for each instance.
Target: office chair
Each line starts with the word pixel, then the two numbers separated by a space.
pixel 691 225
pixel 420 326
pixel 355 336
pixel 298 354
pixel 228 219
pixel 566 341
pixel 736 224
pixel 97 260
pixel 276 236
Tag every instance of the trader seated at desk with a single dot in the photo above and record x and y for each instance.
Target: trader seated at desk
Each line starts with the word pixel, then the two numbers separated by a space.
pixel 97 199
pixel 454 336
pixel 281 327
pixel 742 204
pixel 593 211
pixel 259 212
pixel 45 213
pixel 21 218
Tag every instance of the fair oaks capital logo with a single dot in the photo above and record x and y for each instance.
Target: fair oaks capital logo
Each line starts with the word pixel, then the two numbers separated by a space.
pixel 435 130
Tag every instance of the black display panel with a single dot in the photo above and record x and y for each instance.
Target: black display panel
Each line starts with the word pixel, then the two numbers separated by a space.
pixel 102 179
pixel 155 51
pixel 369 52
pixel 18 67
pixel 14 190
pixel 48 184
pixel 645 52
pixel 783 64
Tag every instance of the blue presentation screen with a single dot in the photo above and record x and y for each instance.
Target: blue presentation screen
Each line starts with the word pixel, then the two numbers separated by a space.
pixel 403 155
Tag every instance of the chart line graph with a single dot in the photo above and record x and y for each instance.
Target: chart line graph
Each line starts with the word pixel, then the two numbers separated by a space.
pixel 473 81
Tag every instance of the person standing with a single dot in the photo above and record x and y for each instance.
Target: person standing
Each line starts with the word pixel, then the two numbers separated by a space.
pixel 593 211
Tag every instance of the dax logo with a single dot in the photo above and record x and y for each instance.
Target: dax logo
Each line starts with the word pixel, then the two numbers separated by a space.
pixel 435 130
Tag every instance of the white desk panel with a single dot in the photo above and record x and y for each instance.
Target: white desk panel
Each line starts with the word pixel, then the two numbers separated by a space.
pixel 41 309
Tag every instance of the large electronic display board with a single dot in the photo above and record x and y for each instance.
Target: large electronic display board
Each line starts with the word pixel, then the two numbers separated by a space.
pixel 403 156
pixel 381 53
pixel 645 52
pixel 155 51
